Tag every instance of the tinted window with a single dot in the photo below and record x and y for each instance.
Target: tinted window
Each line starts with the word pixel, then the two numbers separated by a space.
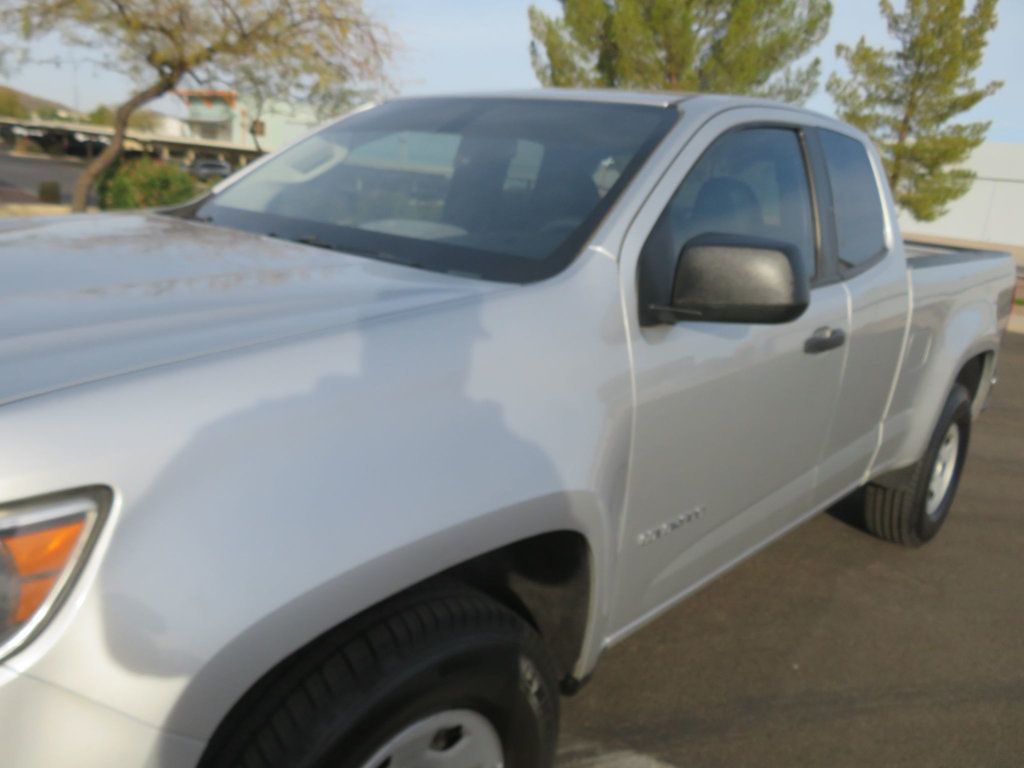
pixel 751 182
pixel 860 225
pixel 507 189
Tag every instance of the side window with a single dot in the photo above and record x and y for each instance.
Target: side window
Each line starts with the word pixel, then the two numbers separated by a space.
pixel 860 225
pixel 749 182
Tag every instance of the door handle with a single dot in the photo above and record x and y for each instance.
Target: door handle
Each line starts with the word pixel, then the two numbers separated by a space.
pixel 824 339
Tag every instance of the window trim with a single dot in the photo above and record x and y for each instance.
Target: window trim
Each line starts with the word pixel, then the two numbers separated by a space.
pixel 826 206
pixel 820 270
pixel 849 273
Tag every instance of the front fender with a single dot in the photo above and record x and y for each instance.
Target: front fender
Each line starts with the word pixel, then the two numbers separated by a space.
pixel 265 496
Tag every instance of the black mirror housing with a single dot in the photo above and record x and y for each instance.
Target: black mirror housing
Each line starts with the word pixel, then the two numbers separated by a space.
pixel 736 279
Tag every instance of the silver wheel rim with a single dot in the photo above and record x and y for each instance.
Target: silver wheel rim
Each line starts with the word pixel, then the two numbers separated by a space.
pixel 943 469
pixel 457 738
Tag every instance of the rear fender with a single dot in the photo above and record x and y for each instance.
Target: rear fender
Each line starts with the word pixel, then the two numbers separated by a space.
pixel 928 377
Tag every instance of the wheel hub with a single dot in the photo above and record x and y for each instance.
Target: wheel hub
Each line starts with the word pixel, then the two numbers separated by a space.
pixel 456 738
pixel 943 470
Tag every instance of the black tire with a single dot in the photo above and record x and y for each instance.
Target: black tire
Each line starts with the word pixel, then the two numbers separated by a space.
pixel 896 511
pixel 438 648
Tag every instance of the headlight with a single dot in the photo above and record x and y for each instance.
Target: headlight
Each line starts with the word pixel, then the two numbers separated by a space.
pixel 43 544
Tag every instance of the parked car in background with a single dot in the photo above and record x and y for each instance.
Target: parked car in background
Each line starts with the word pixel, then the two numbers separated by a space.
pixel 365 458
pixel 207 168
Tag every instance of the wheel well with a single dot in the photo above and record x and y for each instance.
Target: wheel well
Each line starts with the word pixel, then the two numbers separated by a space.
pixel 970 374
pixel 545 579
pixel 970 377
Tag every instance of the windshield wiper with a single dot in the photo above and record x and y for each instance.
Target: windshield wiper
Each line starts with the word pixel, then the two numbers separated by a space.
pixel 305 240
pixel 315 241
pixel 318 242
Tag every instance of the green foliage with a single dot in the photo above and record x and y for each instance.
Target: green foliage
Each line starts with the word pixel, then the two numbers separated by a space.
pixel 731 46
pixel 102 115
pixel 144 120
pixel 145 183
pixel 49 192
pixel 49 113
pixel 10 105
pixel 906 98
pixel 140 120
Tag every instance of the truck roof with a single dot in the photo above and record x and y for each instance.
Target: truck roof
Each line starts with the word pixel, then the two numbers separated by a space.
pixel 596 95
pixel 617 96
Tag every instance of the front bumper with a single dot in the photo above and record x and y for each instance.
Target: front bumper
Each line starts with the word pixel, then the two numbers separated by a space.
pixel 43 726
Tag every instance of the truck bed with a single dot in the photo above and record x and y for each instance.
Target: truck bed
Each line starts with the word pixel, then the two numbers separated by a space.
pixel 922 255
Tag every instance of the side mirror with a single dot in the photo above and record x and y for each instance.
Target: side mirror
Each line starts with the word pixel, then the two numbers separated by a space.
pixel 737 279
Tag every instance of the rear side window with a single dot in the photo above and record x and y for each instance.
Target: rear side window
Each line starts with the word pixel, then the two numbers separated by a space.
pixel 860 225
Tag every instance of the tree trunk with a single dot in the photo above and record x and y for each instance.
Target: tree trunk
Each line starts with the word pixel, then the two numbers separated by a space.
pixel 896 173
pixel 109 154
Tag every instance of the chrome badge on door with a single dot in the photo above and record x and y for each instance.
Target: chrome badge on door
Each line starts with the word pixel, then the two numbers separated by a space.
pixel 663 530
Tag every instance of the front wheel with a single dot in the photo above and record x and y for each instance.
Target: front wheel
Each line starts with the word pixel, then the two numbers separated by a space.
pixel 913 512
pixel 442 676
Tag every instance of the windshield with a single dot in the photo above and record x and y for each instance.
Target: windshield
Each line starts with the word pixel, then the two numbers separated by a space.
pixel 503 189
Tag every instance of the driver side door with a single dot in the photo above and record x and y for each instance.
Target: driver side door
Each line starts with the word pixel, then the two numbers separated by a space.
pixel 730 418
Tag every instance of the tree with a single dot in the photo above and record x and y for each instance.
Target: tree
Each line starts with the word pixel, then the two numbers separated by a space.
pixel 303 47
pixel 140 120
pixel 10 104
pixel 270 92
pixel 145 120
pixel 733 46
pixel 906 98
pixel 102 115
pixel 47 112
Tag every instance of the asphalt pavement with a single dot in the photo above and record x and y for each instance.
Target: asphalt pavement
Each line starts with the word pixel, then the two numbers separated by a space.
pixel 26 173
pixel 831 648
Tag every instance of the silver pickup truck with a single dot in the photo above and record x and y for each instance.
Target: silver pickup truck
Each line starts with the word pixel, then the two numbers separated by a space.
pixel 364 458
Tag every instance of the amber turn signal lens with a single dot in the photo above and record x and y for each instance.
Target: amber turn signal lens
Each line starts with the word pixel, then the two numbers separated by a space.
pixel 31 594
pixel 31 562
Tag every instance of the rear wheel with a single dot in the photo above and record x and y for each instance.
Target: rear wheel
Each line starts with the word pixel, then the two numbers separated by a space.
pixel 913 511
pixel 442 676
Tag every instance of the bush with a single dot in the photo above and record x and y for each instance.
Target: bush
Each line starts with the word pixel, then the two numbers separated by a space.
pixel 145 183
pixel 49 192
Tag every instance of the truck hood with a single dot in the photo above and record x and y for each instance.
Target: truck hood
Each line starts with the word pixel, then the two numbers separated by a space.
pixel 83 298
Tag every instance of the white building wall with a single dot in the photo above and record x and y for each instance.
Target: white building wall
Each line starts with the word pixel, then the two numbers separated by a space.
pixel 283 123
pixel 168 125
pixel 993 211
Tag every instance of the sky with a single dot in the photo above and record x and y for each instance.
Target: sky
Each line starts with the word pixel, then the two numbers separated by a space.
pixel 448 46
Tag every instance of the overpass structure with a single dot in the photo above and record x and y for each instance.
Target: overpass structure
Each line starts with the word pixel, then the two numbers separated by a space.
pixel 87 139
